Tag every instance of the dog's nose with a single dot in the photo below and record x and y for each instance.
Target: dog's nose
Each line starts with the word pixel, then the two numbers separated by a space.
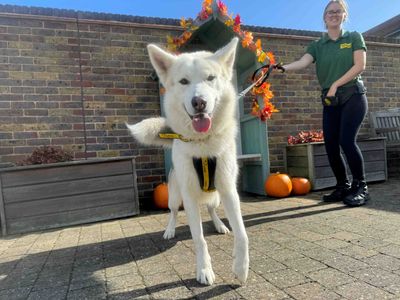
pixel 199 104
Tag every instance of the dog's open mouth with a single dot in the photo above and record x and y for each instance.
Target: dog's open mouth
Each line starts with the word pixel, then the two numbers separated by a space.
pixel 201 122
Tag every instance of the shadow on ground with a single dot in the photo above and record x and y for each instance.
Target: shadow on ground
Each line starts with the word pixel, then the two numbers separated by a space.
pixel 56 266
pixel 80 265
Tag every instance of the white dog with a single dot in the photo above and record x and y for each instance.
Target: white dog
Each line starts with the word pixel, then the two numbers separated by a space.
pixel 200 106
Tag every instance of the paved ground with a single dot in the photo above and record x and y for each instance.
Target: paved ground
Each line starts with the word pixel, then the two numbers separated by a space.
pixel 300 248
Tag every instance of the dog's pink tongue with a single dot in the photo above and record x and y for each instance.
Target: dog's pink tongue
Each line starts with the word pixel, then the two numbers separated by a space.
pixel 201 123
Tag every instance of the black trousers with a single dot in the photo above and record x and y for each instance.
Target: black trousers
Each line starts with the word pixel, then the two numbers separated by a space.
pixel 341 125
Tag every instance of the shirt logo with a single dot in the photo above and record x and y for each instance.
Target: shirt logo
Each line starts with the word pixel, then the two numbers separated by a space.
pixel 345 46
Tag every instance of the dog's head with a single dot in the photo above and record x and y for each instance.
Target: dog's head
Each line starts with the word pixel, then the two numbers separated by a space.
pixel 195 84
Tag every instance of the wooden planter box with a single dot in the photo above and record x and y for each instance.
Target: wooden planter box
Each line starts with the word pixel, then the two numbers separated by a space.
pixel 55 195
pixel 310 161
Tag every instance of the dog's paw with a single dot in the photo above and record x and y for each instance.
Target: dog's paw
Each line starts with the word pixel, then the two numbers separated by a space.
pixel 240 264
pixel 205 275
pixel 169 234
pixel 222 229
pixel 241 267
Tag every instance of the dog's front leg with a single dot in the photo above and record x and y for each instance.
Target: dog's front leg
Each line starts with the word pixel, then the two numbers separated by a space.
pixel 204 271
pixel 231 203
pixel 174 201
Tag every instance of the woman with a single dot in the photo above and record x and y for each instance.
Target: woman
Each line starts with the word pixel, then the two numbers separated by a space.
pixel 340 58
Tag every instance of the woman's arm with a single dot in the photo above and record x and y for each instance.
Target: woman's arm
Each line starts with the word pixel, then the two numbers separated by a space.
pixel 302 63
pixel 360 58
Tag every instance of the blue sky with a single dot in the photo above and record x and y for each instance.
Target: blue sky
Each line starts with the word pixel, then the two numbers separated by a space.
pixel 289 14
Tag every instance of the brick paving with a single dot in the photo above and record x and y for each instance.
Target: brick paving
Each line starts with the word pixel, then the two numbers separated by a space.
pixel 300 248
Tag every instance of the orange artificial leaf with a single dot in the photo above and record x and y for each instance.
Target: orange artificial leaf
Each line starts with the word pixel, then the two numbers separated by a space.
pixel 178 41
pixel 268 95
pixel 247 39
pixel 255 108
pixel 207 3
pixel 271 58
pixel 206 10
pixel 262 89
pixel 252 47
pixel 258 48
pixel 258 44
pixel 186 35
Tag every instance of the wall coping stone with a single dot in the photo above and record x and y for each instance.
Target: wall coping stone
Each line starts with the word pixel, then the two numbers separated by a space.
pixel 167 23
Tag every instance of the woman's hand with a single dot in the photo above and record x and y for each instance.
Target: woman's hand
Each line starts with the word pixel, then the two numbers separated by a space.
pixel 332 90
pixel 279 66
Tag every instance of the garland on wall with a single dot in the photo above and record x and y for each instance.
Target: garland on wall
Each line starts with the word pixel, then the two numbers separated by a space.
pixel 189 26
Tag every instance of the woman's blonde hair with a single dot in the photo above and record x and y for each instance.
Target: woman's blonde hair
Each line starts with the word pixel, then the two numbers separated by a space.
pixel 342 3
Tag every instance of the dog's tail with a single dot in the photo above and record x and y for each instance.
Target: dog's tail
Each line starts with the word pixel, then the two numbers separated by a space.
pixel 147 132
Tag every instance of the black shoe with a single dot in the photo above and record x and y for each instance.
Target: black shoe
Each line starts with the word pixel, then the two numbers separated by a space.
pixel 358 194
pixel 338 194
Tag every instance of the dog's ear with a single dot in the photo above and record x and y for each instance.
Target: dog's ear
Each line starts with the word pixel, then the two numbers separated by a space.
pixel 226 55
pixel 161 61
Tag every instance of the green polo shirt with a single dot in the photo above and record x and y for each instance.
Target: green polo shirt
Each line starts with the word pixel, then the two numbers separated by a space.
pixel 335 58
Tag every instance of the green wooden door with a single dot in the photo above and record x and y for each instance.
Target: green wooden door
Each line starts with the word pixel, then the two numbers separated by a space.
pixel 254 140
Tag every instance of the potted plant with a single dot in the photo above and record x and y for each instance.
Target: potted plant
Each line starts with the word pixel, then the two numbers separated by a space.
pixel 305 156
pixel 49 190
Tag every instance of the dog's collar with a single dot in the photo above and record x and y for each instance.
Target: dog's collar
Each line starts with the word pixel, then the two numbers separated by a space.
pixel 177 136
pixel 173 136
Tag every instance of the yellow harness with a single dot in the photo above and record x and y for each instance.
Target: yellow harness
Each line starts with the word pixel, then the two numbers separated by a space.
pixel 205 166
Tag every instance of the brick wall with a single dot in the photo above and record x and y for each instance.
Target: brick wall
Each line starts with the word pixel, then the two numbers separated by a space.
pixel 51 74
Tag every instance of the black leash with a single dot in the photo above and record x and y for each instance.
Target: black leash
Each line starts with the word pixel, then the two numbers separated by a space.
pixel 263 76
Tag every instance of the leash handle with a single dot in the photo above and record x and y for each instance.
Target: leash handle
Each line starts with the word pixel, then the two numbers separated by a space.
pixel 270 67
pixel 258 82
pixel 262 78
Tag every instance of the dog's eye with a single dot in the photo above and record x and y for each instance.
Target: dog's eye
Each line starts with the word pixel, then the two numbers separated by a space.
pixel 210 78
pixel 184 81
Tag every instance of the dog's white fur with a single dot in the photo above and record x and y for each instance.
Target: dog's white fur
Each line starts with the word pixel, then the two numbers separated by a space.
pixel 219 141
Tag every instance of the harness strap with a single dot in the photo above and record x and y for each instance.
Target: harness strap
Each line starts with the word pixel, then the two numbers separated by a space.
pixel 205 169
pixel 204 166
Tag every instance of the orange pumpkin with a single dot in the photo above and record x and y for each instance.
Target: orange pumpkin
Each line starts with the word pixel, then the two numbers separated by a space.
pixel 160 196
pixel 278 185
pixel 301 186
